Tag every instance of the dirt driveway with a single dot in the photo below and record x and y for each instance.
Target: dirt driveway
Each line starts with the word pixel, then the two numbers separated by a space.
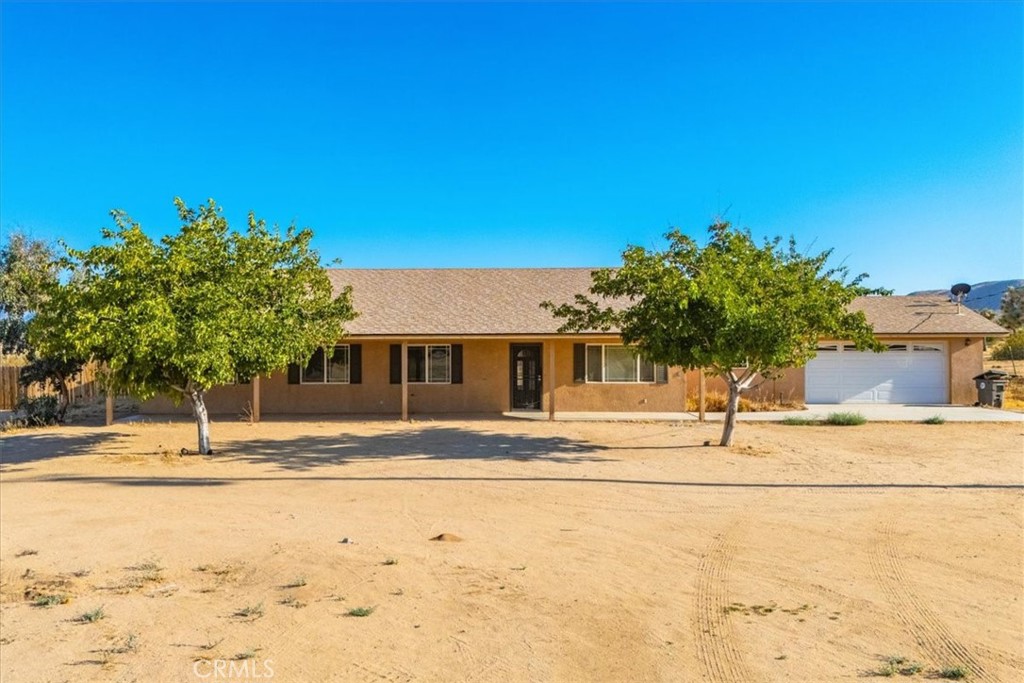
pixel 588 552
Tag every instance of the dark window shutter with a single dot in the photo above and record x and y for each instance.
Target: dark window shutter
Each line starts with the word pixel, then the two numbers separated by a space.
pixel 456 363
pixel 661 374
pixel 579 363
pixel 396 363
pixel 293 373
pixel 355 363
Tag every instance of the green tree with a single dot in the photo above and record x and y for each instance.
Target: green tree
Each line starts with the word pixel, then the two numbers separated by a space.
pixel 200 308
pixel 28 267
pixel 732 308
pixel 55 374
pixel 1011 348
pixel 1012 308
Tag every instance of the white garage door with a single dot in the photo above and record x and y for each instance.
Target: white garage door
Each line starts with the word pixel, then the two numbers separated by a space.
pixel 906 373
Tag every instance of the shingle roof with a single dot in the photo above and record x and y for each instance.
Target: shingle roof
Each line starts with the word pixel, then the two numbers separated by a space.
pixel 926 315
pixel 458 301
pixel 506 301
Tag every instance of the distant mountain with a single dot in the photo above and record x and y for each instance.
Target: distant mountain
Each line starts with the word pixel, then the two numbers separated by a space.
pixel 983 295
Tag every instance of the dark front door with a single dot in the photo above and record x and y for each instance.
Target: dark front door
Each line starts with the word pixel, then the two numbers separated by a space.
pixel 526 378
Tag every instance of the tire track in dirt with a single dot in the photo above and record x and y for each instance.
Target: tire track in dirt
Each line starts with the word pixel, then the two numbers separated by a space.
pixel 716 645
pixel 932 635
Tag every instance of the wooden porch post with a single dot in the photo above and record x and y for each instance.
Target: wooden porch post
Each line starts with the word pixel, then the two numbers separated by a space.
pixel 551 380
pixel 701 392
pixel 405 382
pixel 256 399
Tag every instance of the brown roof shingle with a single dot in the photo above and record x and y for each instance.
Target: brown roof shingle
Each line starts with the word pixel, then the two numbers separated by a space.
pixel 925 315
pixel 506 301
pixel 458 301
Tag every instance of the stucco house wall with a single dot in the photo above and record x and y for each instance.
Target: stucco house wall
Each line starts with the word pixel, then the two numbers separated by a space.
pixel 485 387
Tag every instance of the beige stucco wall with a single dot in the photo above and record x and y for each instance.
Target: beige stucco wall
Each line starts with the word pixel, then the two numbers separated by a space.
pixel 966 360
pixel 485 387
pixel 585 397
pixel 228 400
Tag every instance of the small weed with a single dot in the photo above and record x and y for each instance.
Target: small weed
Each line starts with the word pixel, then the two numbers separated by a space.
pixel 782 657
pixel 361 611
pixel 911 668
pixel 248 654
pixel 897 664
pixel 203 568
pixel 152 576
pixel 51 599
pixel 390 562
pixel 81 573
pixel 129 644
pixel 26 552
pixel 934 420
pixel 91 616
pixel 210 644
pixel 800 421
pixel 845 419
pixel 297 582
pixel 148 566
pixel 291 601
pixel 398 592
pixel 953 673
pixel 521 568
pixel 250 611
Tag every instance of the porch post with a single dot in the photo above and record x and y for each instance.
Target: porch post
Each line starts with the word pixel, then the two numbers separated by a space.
pixel 405 382
pixel 550 374
pixel 256 399
pixel 110 407
pixel 700 396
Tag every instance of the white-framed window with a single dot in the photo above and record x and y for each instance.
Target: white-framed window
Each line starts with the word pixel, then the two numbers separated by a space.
pixel 610 363
pixel 328 366
pixel 430 364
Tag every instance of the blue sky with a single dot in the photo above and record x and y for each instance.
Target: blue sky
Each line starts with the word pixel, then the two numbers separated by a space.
pixel 449 135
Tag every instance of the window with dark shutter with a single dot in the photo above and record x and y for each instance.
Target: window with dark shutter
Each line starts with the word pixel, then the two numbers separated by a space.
pixel 396 363
pixel 355 360
pixel 579 363
pixel 456 363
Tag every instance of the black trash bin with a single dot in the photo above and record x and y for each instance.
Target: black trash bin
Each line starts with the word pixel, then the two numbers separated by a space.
pixel 991 387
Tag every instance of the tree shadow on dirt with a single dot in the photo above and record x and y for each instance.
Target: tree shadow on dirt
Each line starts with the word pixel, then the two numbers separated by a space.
pixel 186 482
pixel 31 445
pixel 429 443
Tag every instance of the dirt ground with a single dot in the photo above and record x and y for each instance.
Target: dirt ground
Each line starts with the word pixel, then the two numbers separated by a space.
pixel 588 552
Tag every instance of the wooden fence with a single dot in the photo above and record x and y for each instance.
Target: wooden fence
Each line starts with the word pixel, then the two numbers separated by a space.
pixel 85 386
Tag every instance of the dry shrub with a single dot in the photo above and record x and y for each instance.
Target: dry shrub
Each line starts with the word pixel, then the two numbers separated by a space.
pixel 716 402
pixel 1014 396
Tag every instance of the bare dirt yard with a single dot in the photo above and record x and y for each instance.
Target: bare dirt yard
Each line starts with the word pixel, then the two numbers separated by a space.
pixel 571 552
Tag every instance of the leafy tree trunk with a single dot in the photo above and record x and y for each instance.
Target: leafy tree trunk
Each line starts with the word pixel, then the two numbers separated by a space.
pixel 195 397
pixel 730 412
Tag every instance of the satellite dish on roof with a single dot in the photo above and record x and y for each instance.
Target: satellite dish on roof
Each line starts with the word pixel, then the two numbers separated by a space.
pixel 959 291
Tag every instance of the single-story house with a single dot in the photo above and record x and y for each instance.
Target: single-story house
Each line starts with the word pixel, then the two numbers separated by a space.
pixel 434 341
